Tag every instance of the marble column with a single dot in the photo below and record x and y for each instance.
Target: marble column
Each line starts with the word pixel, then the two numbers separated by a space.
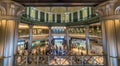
pixel 9 20
pixel 110 20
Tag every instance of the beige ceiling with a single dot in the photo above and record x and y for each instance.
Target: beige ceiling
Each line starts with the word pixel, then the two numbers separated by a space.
pixel 59 9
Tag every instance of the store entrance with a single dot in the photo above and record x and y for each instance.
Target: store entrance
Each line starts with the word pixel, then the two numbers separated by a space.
pixel 59 45
pixel 58 42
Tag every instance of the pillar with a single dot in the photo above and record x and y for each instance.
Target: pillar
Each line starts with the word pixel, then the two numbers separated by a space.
pixel 62 18
pixel 50 18
pixel 71 17
pixel 87 38
pixel 50 35
pixel 45 16
pixel 78 15
pixel 67 17
pixel 39 15
pixel 110 20
pixel 67 36
pixel 30 36
pixel 1 45
pixel 9 20
pixel 55 18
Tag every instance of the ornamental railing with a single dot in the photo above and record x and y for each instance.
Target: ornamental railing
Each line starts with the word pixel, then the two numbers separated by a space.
pixel 37 60
pixel 29 20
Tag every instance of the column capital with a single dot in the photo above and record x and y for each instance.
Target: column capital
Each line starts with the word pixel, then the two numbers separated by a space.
pixel 10 9
pixel 109 9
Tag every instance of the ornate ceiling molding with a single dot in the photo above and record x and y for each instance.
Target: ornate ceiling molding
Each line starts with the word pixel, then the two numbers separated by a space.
pixel 11 8
pixel 109 10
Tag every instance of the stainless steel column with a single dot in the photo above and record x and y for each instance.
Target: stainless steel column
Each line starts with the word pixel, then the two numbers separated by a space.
pixel 111 32
pixel 9 42
pixel 50 35
pixel 9 17
pixel 110 18
pixel 1 45
pixel 104 43
pixel 67 36
pixel 30 37
pixel 87 38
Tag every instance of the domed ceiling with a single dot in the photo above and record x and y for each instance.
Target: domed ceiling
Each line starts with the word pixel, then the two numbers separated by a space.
pixel 59 10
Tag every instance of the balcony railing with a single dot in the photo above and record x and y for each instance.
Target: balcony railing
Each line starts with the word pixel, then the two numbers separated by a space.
pixel 90 20
pixel 36 60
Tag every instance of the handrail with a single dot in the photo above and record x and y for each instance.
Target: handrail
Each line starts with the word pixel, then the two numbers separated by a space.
pixel 29 20
pixel 72 60
pixel 59 55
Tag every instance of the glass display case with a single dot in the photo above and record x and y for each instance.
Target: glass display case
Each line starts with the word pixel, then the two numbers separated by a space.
pixel 22 32
pixel 95 38
pixel 76 30
pixel 95 30
pixel 78 46
pixel 38 31
pixel 96 47
pixel 58 30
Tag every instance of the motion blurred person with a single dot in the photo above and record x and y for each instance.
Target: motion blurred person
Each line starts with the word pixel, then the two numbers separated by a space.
pixel 26 45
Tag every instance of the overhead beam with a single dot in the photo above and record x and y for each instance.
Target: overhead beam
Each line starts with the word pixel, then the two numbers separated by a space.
pixel 59 4
pixel 60 1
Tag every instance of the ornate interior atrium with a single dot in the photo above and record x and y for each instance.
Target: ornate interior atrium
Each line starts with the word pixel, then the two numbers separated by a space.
pixel 59 32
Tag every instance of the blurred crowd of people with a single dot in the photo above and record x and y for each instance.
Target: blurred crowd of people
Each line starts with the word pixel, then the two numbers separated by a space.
pixel 45 49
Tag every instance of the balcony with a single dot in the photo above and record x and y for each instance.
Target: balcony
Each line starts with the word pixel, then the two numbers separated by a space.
pixel 90 20
pixel 36 60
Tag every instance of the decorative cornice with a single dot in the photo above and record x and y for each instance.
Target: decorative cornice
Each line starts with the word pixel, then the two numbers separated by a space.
pixel 11 8
pixel 109 10
pixel 10 17
pixel 111 17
